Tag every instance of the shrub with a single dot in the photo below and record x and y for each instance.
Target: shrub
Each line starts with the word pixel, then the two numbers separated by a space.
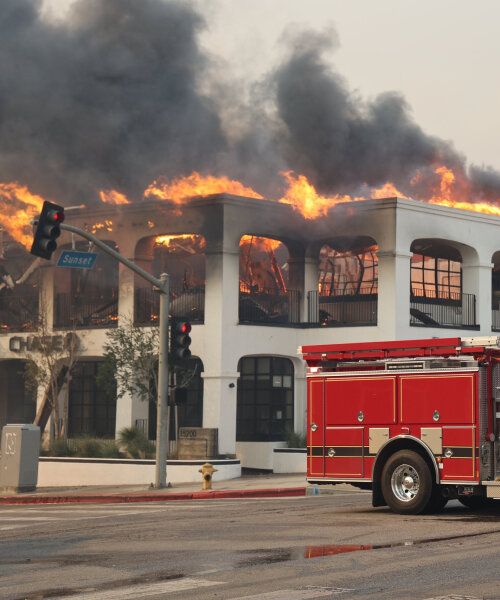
pixel 135 443
pixel 60 447
pixel 296 440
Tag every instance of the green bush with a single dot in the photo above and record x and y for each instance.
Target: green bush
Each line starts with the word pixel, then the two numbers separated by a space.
pixel 60 447
pixel 135 443
pixel 296 440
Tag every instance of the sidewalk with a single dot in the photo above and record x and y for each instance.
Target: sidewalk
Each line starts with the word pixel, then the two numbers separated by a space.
pixel 249 486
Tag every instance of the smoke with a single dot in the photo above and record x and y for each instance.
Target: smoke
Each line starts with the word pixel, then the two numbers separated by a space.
pixel 107 99
pixel 116 95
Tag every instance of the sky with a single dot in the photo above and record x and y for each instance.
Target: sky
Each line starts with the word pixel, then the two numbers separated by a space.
pixel 112 95
pixel 442 55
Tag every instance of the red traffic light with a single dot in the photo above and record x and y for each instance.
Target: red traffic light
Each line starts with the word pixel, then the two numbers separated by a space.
pixel 184 327
pixel 48 230
pixel 56 216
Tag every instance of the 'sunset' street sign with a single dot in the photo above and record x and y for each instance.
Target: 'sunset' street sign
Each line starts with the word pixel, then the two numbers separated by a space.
pixel 77 260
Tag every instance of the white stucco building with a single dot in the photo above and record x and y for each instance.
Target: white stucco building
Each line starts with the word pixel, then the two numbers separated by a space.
pixel 372 270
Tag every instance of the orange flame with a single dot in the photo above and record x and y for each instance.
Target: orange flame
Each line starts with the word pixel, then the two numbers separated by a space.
pixel 186 242
pixel 106 226
pixel 195 184
pixel 304 198
pixel 17 206
pixel 261 244
pixel 113 197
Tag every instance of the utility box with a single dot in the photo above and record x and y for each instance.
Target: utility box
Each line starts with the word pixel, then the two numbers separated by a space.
pixel 19 459
pixel 197 443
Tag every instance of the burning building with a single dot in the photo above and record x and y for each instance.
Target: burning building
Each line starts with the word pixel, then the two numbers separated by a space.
pixel 257 279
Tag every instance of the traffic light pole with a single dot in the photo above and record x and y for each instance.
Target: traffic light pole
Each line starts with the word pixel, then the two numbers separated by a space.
pixel 163 284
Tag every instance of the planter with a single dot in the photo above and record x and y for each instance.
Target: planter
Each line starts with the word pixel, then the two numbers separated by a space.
pixel 69 472
pixel 290 460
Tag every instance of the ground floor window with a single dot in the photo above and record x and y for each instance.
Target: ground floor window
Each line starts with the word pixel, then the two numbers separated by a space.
pixel 265 399
pixel 17 404
pixel 91 410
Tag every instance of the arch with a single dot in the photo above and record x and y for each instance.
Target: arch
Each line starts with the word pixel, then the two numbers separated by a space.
pixel 264 281
pixel 348 281
pixel 183 257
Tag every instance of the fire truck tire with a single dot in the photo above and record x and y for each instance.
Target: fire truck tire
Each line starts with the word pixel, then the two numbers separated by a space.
pixel 407 483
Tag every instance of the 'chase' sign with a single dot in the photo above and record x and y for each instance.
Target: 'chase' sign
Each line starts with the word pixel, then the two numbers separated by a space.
pixel 77 260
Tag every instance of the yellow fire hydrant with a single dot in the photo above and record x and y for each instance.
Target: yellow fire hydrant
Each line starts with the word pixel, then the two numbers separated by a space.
pixel 207 470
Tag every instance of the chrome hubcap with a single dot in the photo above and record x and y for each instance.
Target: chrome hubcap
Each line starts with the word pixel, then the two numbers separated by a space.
pixel 405 483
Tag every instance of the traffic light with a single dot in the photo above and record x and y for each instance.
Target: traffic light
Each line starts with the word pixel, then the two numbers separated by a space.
pixel 179 339
pixel 47 231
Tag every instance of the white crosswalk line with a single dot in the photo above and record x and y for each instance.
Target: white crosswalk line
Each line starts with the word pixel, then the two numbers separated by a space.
pixel 144 590
pixel 292 595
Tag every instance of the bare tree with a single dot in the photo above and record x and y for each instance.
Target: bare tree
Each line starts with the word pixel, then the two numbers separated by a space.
pixel 49 362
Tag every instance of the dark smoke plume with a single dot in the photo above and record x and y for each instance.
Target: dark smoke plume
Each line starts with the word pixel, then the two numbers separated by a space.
pixel 107 99
pixel 112 98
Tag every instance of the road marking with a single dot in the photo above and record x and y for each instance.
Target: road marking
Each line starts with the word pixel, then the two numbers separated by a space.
pixel 309 594
pixel 143 590
pixel 454 597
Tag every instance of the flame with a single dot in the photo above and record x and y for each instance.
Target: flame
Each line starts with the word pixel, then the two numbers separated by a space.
pixel 187 242
pixel 113 197
pixel 106 226
pixel 261 244
pixel 304 198
pixel 195 184
pixel 17 206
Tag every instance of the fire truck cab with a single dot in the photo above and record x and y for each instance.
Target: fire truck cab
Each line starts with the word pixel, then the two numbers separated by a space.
pixel 416 421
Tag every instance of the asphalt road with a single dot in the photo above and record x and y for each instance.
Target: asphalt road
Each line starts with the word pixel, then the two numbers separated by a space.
pixel 327 546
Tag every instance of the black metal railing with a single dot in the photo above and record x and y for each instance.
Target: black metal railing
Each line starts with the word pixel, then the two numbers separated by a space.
pixel 342 310
pixel 454 310
pixel 85 313
pixel 19 311
pixel 187 304
pixel 269 306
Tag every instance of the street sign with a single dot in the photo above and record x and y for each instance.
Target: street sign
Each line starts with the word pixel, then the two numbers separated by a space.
pixel 77 260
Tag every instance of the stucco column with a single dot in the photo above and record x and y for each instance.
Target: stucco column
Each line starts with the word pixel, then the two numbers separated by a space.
pixel 125 293
pixel 393 293
pixel 310 283
pixel 221 352
pixel 476 279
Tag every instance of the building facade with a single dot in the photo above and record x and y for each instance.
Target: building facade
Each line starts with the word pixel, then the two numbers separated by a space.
pixel 257 280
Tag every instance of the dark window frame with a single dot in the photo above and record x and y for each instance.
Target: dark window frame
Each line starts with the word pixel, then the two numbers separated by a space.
pixel 265 399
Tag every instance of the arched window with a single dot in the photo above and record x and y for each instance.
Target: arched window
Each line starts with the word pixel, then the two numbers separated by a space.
pixel 436 271
pixel 265 399
pixel 182 256
pixel 264 291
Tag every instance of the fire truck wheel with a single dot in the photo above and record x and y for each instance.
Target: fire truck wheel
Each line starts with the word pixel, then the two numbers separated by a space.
pixel 406 483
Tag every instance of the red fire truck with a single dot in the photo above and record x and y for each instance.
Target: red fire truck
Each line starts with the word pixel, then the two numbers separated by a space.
pixel 415 421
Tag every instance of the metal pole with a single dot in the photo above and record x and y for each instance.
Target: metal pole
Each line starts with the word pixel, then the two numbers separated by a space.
pixel 161 419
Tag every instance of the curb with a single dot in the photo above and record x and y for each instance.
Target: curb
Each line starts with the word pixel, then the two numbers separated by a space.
pixel 121 498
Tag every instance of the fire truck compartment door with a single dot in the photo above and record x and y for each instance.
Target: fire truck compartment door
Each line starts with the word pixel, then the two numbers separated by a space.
pixel 437 398
pixel 315 428
pixel 459 453
pixel 360 400
pixel 377 436
pixel 433 437
pixel 344 452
